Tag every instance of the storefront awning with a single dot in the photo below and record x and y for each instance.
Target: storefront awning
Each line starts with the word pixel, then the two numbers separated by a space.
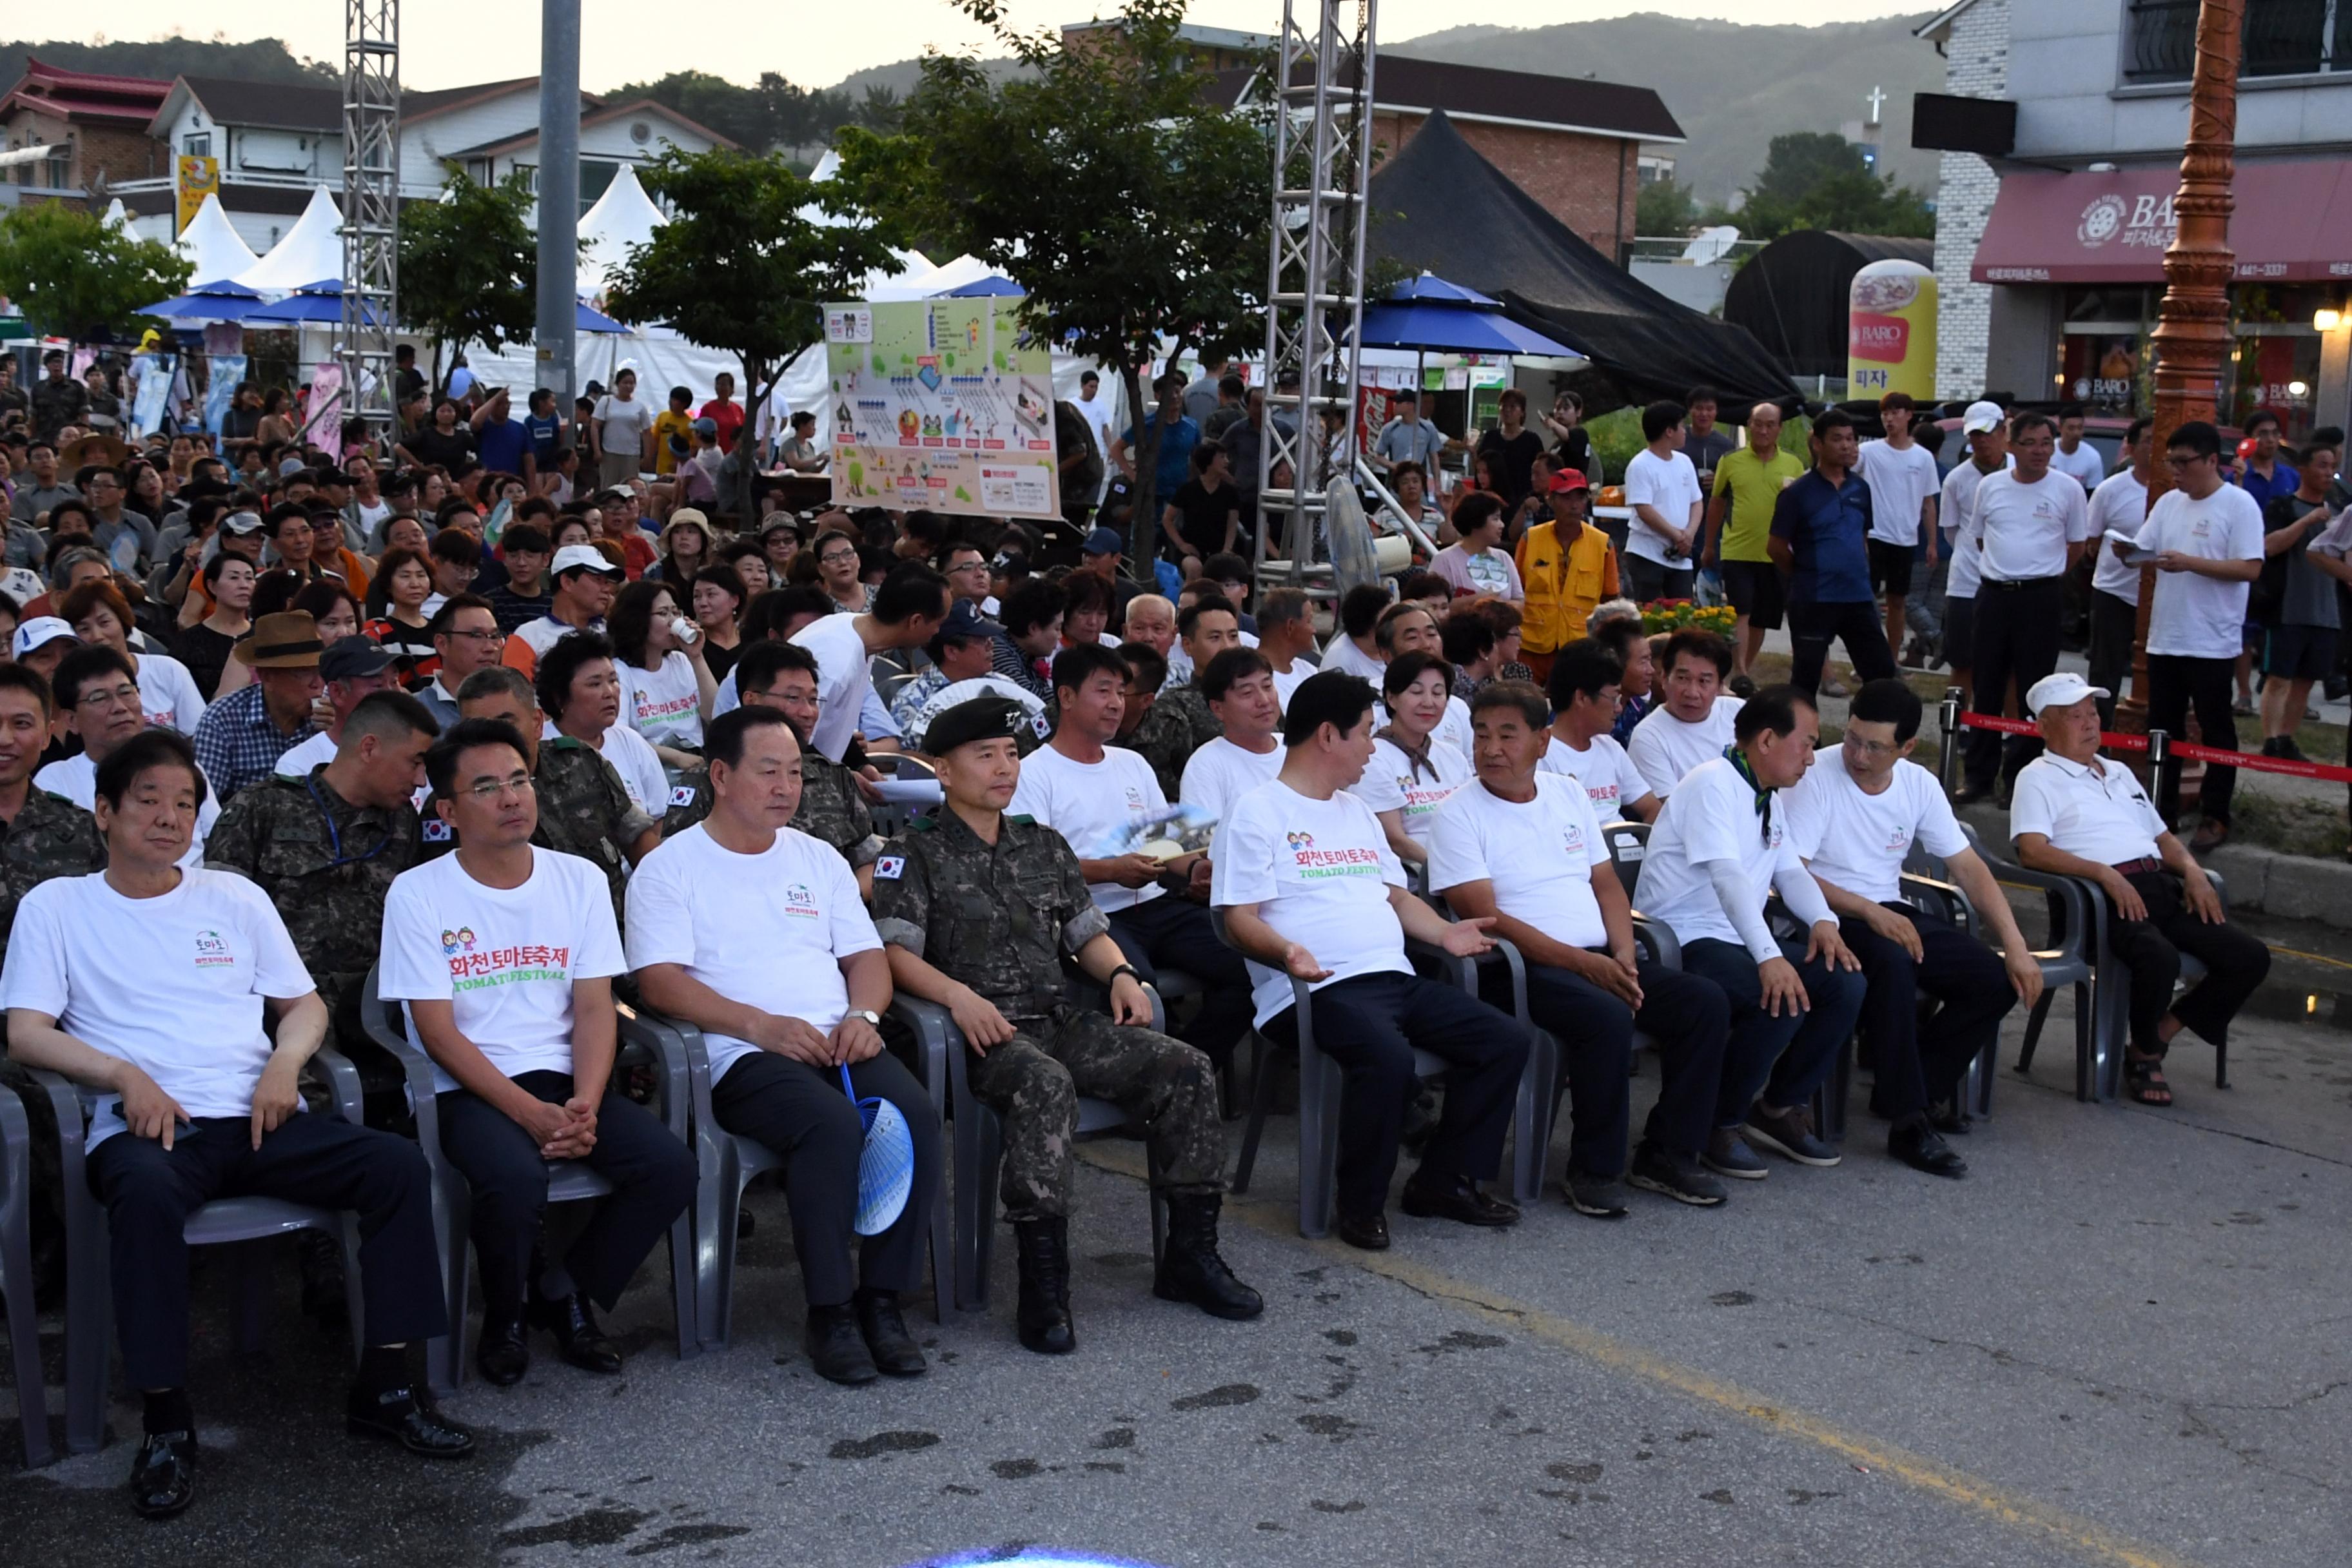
pixel 2293 224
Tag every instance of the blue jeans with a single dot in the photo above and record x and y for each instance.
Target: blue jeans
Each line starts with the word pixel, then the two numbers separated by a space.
pixel 1780 1059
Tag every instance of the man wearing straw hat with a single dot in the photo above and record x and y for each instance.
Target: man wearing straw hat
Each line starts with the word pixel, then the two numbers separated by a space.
pixel 754 932
pixel 241 738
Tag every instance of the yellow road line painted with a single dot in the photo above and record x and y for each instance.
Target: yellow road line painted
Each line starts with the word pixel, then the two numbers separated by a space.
pixel 2290 952
pixel 2000 1503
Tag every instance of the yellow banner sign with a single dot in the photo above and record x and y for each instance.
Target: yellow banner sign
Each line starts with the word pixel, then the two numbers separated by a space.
pixel 197 178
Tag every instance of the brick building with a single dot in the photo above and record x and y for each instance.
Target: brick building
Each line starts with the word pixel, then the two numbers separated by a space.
pixel 74 132
pixel 1573 144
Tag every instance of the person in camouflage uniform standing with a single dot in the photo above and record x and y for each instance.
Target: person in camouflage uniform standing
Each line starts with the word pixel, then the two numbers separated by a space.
pixel 42 836
pixel 976 909
pixel 1179 723
pixel 326 848
pixel 782 676
pixel 583 808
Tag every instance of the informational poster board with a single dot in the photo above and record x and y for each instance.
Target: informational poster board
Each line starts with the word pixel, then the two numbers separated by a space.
pixel 941 403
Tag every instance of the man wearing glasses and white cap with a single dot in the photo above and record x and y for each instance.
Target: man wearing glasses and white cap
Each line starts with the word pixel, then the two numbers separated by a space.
pixel 2077 814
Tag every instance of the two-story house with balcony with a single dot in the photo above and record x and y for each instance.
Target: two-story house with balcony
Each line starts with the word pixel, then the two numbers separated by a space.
pixel 2055 204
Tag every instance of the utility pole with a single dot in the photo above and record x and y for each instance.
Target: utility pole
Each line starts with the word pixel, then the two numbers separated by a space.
pixel 559 199
pixel 371 216
pixel 2192 332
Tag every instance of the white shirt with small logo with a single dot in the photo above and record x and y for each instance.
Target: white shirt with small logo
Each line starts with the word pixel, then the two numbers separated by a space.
pixel 1858 841
pixel 2093 809
pixel 1609 778
pixel 1089 803
pixel 1539 854
pixel 1391 783
pixel 1320 872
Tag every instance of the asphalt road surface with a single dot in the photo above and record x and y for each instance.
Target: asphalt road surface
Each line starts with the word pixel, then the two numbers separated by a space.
pixel 2121 1340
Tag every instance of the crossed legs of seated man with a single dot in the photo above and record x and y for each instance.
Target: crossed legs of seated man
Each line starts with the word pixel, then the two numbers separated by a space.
pixel 1032 1078
pixel 1790 1018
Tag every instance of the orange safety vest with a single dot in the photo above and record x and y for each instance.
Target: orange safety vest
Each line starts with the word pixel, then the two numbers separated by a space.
pixel 1563 586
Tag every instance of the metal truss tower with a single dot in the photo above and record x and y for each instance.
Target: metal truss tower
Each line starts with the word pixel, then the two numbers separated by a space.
pixel 371 211
pixel 1322 161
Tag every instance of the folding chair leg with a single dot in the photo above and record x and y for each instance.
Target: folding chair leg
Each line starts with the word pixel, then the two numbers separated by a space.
pixel 1319 1142
pixel 1530 1125
pixel 1261 1101
pixel 2221 1066
pixel 1159 1207
pixel 89 1309
pixel 684 1299
pixel 24 1334
pixel 2033 1026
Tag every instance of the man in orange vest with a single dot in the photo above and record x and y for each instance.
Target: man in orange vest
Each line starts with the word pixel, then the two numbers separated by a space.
pixel 1567 567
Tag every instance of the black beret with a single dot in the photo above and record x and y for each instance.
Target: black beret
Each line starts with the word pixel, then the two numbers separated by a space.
pixel 981 719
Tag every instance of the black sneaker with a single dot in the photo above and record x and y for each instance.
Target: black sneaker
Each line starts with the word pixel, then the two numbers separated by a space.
pixel 1677 1176
pixel 1603 1197
pixel 1789 1133
pixel 1728 1154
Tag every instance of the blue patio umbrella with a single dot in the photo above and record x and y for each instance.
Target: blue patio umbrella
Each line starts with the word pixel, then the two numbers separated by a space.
pixel 586 318
pixel 320 301
pixel 219 301
pixel 1460 329
pixel 993 285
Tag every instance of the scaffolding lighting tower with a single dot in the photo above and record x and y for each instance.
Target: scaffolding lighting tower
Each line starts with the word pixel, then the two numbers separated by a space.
pixel 371 212
pixel 1322 163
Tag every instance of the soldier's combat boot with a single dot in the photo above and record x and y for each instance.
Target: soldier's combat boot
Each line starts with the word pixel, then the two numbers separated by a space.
pixel 1043 1248
pixel 1189 1267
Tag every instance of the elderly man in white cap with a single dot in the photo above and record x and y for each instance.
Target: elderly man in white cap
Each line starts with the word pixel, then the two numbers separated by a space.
pixel 585 583
pixel 2076 814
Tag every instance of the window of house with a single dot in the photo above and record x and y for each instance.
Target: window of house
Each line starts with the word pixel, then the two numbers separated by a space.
pixel 197 144
pixel 2281 37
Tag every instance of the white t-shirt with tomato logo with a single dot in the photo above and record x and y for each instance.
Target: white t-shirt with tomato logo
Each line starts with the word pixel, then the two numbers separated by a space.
pixel 1391 783
pixel 504 957
pixel 1540 856
pixel 1320 872
pixel 1857 841
pixel 1610 780
pixel 663 704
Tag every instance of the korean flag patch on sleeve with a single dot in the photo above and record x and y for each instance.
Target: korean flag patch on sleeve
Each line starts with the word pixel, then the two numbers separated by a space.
pixel 1038 724
pixel 437 832
pixel 683 794
pixel 890 868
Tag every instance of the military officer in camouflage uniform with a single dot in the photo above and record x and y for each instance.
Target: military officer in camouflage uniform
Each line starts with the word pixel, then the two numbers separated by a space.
pixel 1179 723
pixel 977 909
pixel 782 676
pixel 326 848
pixel 41 835
pixel 583 809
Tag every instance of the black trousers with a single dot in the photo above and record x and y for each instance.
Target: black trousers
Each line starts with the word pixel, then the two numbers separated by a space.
pixel 1811 630
pixel 1174 932
pixel 1917 1065
pixel 653 1179
pixel 800 1111
pixel 2016 641
pixel 1784 1058
pixel 2175 683
pixel 2114 625
pixel 1369 1026
pixel 149 1194
pixel 1685 1015
pixel 1646 579
pixel 2235 962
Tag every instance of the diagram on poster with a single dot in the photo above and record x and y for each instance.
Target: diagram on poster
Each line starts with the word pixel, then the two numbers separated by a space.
pixel 941 403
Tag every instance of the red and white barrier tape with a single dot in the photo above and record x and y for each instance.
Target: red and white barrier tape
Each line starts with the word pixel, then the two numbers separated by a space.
pixel 2182 750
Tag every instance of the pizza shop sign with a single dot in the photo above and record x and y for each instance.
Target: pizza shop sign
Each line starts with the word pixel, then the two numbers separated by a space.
pixel 2136 222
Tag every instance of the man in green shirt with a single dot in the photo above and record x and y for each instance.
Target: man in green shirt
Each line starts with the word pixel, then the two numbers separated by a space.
pixel 1747 484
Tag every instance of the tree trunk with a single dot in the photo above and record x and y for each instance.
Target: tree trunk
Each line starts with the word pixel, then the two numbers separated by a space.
pixel 1143 510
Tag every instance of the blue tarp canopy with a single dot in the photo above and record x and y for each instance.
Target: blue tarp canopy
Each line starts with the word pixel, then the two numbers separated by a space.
pixel 219 301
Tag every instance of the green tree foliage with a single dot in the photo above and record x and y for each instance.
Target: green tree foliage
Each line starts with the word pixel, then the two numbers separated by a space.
pixel 1812 179
pixel 74 277
pixel 1129 207
pixel 771 113
pixel 470 265
pixel 1664 209
pixel 160 60
pixel 742 266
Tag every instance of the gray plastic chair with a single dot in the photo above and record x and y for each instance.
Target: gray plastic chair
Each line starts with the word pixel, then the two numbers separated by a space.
pixel 17 1278
pixel 726 1163
pixel 568 1181
pixel 2078 934
pixel 979 1144
pixel 2099 1045
pixel 90 1301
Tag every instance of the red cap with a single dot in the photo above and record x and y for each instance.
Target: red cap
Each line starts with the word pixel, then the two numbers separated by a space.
pixel 1570 480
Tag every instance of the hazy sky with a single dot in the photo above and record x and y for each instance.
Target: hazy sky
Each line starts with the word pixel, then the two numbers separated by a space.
pixel 446 44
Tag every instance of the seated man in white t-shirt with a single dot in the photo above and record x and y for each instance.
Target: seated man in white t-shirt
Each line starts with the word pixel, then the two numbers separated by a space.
pixel 1311 891
pixel 1524 847
pixel 1693 721
pixel 1584 692
pixel 1854 819
pixel 1091 792
pixel 505 955
pixel 754 933
pixel 98 697
pixel 1238 685
pixel 1721 845
pixel 192 1101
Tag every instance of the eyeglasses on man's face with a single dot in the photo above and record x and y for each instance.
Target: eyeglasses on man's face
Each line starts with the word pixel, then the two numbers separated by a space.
pixel 498 789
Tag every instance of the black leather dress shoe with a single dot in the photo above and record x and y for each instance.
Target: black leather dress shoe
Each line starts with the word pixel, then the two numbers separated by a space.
pixel 164 1475
pixel 1948 1116
pixel 407 1417
pixel 1369 1232
pixel 503 1352
pixel 895 1351
pixel 1920 1147
pixel 1456 1198
pixel 835 1348
pixel 578 1337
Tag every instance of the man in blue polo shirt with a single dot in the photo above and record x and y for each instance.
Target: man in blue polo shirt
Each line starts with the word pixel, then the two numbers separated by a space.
pixel 1178 437
pixel 1820 528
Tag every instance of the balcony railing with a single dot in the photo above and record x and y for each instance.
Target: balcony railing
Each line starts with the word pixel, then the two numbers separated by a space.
pixel 2282 37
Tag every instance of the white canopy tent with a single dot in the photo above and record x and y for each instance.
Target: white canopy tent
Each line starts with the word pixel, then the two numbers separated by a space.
pixel 624 215
pixel 117 215
pixel 210 243
pixel 312 250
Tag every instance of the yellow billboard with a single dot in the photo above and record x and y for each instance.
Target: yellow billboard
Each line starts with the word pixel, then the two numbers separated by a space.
pixel 1891 332
pixel 196 179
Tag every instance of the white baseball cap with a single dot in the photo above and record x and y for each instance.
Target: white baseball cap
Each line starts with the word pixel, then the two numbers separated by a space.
pixel 588 555
pixel 2061 690
pixel 1979 418
pixel 40 631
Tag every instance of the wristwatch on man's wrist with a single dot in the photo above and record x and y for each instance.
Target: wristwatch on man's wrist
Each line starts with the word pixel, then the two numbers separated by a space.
pixel 867 1014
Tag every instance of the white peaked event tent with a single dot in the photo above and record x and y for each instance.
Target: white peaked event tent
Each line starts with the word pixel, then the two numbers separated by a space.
pixel 210 243
pixel 624 215
pixel 117 215
pixel 312 249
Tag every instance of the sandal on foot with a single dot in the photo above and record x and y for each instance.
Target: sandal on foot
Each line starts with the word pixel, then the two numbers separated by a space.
pixel 2144 1080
